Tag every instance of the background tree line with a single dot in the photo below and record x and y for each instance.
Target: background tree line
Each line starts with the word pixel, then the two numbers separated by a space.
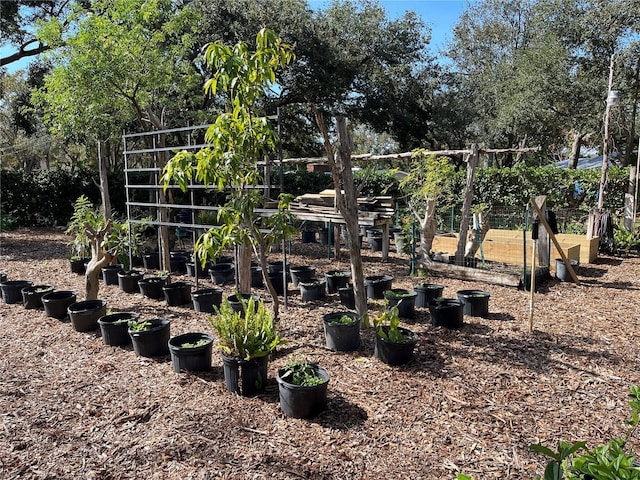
pixel 46 197
pixel 515 73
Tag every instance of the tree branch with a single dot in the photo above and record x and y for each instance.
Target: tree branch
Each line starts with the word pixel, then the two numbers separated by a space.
pixel 24 53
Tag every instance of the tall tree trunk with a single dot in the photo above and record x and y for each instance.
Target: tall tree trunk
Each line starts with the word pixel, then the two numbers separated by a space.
pixel 575 150
pixel 99 258
pixel 104 183
pixel 244 268
pixel 472 162
pixel 631 133
pixel 347 203
pixel 428 228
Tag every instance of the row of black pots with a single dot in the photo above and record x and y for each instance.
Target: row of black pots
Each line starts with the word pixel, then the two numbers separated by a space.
pixel 182 262
pixel 344 336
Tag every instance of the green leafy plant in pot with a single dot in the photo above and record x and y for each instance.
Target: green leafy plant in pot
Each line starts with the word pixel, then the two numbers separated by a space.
pixel 246 338
pixel 302 388
pixel 394 344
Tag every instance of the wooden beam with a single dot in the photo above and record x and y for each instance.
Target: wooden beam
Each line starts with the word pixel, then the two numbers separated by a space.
pixel 472 274
pixel 553 238
pixel 395 156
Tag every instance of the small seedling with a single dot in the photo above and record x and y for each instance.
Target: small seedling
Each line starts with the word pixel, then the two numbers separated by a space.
pixel 343 320
pixel 301 373
pixel 136 326
pixel 200 343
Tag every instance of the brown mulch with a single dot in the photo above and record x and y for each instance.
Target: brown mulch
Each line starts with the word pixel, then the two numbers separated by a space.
pixel 471 400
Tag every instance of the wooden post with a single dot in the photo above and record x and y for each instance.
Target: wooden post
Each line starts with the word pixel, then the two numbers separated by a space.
pixel 472 163
pixel 544 223
pixel 544 253
pixel 533 284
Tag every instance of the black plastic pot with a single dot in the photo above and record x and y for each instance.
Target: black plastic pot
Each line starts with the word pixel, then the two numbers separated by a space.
pixel 177 293
pixel 205 299
pixel 224 259
pixel 154 341
pixel 375 242
pixel 32 296
pixel 308 237
pixel 398 239
pixel 476 302
pixel 403 299
pixel 110 273
pixel 56 303
pixel 222 273
pixel 336 279
pixel 191 358
pixel 245 377
pixel 239 300
pixel 345 237
pixel 377 284
pixel 303 402
pixel 196 267
pixel 128 280
pixel 151 261
pixel 278 282
pixel 256 277
pixel 178 262
pixel 12 290
pixel 84 315
pixel 427 292
pixel 79 265
pixel 393 353
pixel 342 337
pixel 323 236
pixel 114 328
pixel 303 273
pixel 347 297
pixel 562 272
pixel 447 312
pixel 312 290
pixel 151 287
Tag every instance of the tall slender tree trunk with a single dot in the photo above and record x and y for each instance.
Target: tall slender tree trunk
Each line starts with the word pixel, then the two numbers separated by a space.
pixel 575 150
pixel 104 183
pixel 472 163
pixel 346 202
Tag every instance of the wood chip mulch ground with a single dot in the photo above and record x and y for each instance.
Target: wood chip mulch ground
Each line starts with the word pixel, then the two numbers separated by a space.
pixel 470 401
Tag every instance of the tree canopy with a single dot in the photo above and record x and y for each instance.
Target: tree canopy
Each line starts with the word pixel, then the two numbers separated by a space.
pixel 516 73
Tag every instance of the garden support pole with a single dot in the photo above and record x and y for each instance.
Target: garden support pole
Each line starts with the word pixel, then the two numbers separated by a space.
pixel 553 238
pixel 533 284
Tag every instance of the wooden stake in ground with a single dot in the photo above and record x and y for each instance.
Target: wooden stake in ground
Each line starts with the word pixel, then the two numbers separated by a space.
pixel 533 284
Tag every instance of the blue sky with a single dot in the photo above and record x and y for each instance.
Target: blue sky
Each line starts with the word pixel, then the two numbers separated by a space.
pixel 440 15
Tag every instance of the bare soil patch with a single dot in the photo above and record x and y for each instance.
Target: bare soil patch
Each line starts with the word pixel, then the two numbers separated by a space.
pixel 471 401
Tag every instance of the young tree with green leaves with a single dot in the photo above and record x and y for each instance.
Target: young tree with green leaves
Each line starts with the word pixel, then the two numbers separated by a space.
pixel 429 179
pixel 125 64
pixel 239 138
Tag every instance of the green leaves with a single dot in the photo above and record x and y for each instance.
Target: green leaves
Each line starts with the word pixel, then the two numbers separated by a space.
pixel 605 462
pixel 248 334
pixel 554 469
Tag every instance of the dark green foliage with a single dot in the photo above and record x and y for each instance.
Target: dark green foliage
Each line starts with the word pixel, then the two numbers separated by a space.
pixel 300 181
pixel 46 197
pixel 377 182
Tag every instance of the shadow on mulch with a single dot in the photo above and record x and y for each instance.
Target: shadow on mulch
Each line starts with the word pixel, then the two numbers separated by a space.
pixel 341 414
pixel 36 246
pixel 533 353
